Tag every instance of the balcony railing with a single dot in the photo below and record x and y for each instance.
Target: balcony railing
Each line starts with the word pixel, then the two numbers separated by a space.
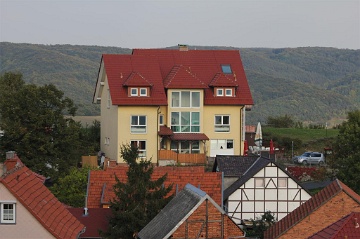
pixel 182 158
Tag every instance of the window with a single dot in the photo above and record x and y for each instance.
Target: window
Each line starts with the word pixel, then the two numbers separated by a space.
pixel 7 213
pixel 108 99
pixel 222 123
pixel 185 147
pixel 161 119
pixel 282 182
pixel 220 92
pixel 259 182
pixel 141 145
pixel 185 99
pixel 228 92
pixel 143 92
pixel 138 124
pixel 226 69
pixel 107 141
pixel 185 121
pixel 216 144
pixel 134 92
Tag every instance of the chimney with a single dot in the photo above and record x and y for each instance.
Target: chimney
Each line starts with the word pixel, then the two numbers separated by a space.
pixel 86 212
pixel 10 154
pixel 183 47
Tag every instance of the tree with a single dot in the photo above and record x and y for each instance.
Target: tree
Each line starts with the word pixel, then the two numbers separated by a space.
pixel 36 128
pixel 260 225
pixel 285 121
pixel 346 159
pixel 71 189
pixel 139 199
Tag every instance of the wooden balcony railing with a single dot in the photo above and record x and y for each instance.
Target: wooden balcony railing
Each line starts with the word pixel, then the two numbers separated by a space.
pixel 182 158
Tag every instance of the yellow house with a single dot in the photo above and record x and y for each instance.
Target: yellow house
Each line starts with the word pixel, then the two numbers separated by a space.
pixel 176 105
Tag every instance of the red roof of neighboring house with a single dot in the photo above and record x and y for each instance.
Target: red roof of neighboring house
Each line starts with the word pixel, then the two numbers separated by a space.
pixel 308 207
pixel 29 190
pixel 347 227
pixel 100 190
pixel 250 128
pixel 164 68
pixel 95 220
pixel 189 136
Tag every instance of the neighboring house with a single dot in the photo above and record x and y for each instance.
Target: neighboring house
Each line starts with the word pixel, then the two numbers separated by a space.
pixel 347 227
pixel 191 214
pixel 95 220
pixel 262 186
pixel 100 183
pixel 323 209
pixel 176 105
pixel 250 131
pixel 28 209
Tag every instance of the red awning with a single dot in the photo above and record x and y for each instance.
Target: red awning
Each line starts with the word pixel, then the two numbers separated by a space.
pixel 189 136
pixel 165 131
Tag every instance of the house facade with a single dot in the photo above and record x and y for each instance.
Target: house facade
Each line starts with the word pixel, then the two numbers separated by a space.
pixel 28 209
pixel 178 105
pixel 264 186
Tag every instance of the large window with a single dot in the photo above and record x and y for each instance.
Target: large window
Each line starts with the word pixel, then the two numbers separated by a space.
pixel 185 99
pixel 222 123
pixel 141 145
pixel 185 121
pixel 7 212
pixel 186 147
pixel 138 124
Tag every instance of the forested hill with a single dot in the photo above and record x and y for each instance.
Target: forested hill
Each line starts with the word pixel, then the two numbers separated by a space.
pixel 312 84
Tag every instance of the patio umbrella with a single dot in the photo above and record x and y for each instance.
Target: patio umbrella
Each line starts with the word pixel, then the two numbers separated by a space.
pixel 246 148
pixel 271 147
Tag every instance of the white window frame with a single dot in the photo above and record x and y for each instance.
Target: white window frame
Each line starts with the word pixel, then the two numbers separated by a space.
pixel 135 93
pixel 141 152
pixel 226 92
pixel 180 125
pixel 143 94
pixel 2 213
pixel 178 104
pixel 221 127
pixel 186 147
pixel 220 92
pixel 138 128
pixel 161 119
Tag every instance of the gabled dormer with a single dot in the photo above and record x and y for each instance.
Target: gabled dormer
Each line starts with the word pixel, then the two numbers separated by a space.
pixel 137 85
pixel 181 77
pixel 224 84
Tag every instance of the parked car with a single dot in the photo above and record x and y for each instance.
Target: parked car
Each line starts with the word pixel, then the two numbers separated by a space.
pixel 310 158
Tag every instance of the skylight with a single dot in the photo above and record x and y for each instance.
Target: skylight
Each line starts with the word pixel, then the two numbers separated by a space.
pixel 226 69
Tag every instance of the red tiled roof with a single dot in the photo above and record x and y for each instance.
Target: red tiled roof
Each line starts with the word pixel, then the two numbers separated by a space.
pixel 95 220
pixel 250 128
pixel 189 136
pixel 41 203
pixel 308 207
pixel 136 79
pixel 347 227
pixel 165 131
pixel 222 80
pixel 175 69
pixel 181 77
pixel 209 182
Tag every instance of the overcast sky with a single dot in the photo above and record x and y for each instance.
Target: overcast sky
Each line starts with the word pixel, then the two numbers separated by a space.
pixel 153 24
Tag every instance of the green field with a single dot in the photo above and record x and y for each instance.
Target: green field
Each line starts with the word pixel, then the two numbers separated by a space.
pixel 305 135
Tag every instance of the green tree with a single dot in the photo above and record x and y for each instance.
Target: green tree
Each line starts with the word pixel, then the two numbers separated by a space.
pixel 138 200
pixel 285 121
pixel 35 127
pixel 260 225
pixel 346 159
pixel 90 137
pixel 71 189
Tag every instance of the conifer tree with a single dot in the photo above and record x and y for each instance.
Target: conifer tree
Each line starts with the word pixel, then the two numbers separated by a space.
pixel 139 199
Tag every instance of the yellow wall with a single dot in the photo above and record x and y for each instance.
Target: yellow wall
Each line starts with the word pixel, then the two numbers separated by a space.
pixel 235 125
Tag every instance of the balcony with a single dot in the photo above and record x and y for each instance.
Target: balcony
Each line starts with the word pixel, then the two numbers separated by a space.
pixel 182 158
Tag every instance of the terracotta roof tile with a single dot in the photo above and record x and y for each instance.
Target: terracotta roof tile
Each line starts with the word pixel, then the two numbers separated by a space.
pixel 189 136
pixel 165 131
pixel 308 207
pixel 347 227
pixel 181 77
pixel 136 79
pixel 41 203
pixel 222 80
pixel 207 181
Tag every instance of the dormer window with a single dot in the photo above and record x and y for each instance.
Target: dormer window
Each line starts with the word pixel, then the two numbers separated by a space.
pixel 228 92
pixel 138 91
pixel 219 92
pixel 226 69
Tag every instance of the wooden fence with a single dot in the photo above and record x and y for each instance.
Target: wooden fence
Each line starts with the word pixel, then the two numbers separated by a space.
pixel 182 158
